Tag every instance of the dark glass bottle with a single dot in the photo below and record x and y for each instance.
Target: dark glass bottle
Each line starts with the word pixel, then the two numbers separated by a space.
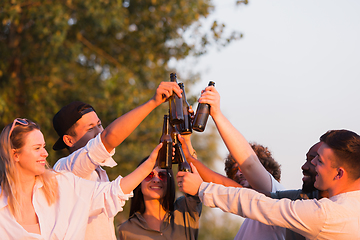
pixel 179 158
pixel 166 151
pixel 175 105
pixel 202 114
pixel 174 138
pixel 185 127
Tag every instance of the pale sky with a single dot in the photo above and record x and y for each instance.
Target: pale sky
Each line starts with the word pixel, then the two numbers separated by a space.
pixel 293 76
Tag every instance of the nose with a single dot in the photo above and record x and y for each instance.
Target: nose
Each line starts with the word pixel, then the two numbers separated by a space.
pixel 45 153
pixel 305 166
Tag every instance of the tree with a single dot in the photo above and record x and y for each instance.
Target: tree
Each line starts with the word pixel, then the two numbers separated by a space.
pixel 110 54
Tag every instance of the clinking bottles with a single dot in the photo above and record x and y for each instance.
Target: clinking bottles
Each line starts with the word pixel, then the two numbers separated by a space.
pixel 202 114
pixel 175 105
pixel 165 153
pixel 185 127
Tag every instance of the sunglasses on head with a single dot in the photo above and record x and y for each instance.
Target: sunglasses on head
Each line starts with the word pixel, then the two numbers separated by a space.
pixel 161 175
pixel 21 121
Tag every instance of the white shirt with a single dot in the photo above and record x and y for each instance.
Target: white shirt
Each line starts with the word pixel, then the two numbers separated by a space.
pixel 85 163
pixel 251 229
pixel 67 218
pixel 337 217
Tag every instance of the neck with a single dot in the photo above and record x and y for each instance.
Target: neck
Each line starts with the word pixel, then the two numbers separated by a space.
pixel 323 194
pixel 153 208
pixel 348 186
pixel 154 214
pixel 27 181
pixel 27 185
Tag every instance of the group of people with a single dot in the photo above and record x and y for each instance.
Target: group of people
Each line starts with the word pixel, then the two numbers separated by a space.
pixel 76 200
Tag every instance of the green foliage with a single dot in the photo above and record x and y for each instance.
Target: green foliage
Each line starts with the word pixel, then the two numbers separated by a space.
pixel 100 52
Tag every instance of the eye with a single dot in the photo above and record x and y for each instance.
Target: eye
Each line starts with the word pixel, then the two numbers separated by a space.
pixel 163 175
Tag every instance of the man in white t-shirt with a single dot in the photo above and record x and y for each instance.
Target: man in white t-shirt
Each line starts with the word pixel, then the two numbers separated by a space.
pixel 79 129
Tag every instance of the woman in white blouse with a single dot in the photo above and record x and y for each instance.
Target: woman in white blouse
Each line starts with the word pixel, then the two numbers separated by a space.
pixel 39 203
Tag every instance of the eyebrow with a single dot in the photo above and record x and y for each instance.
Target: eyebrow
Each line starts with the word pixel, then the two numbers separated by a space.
pixel 39 144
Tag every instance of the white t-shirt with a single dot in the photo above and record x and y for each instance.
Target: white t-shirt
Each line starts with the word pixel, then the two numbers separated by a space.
pixel 85 163
pixel 251 229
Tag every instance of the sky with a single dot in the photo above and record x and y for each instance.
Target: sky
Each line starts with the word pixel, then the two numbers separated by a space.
pixel 293 76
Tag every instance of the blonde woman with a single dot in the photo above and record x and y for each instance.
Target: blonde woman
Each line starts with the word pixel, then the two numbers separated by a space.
pixel 39 203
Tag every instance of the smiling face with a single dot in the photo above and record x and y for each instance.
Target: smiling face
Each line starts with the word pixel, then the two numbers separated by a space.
pixel 155 188
pixel 326 173
pixel 31 158
pixel 308 169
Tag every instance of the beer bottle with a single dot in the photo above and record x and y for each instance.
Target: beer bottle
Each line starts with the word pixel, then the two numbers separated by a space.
pixel 179 157
pixel 164 158
pixel 174 137
pixel 185 127
pixel 175 105
pixel 183 165
pixel 202 114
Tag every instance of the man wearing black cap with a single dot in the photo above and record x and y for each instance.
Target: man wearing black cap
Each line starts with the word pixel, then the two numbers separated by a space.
pixel 78 127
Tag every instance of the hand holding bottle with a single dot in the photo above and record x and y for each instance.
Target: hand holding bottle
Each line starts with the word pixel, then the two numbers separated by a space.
pixel 211 96
pixel 202 114
pixel 189 182
pixel 164 91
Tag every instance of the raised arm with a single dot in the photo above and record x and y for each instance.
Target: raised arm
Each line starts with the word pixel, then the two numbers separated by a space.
pixel 238 146
pixel 206 173
pixel 131 181
pixel 123 126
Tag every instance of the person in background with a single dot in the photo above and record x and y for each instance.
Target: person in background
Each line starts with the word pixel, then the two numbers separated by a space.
pixel 154 213
pixel 308 190
pixel 249 229
pixel 38 203
pixel 91 147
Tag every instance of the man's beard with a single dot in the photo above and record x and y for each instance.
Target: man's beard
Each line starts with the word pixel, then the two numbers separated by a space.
pixel 308 187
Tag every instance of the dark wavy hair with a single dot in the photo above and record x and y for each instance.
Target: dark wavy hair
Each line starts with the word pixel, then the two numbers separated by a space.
pixel 346 147
pixel 167 202
pixel 265 157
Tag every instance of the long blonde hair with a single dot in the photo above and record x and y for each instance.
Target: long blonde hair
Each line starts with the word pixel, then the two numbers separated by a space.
pixel 9 176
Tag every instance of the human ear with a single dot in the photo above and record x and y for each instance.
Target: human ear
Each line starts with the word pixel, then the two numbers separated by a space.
pixel 340 173
pixel 68 140
pixel 15 154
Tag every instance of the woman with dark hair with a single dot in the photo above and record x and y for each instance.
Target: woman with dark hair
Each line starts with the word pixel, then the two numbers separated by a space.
pixel 154 214
pixel 38 203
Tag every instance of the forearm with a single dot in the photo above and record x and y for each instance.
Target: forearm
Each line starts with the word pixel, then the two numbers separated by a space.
pixel 242 152
pixel 132 180
pixel 123 126
pixel 209 175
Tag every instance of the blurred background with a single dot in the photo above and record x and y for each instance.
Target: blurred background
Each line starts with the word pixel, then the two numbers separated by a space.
pixel 287 71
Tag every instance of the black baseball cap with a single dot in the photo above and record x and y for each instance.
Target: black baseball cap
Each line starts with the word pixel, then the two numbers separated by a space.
pixel 66 117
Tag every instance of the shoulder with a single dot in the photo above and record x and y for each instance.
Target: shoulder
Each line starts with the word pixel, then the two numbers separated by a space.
pixel 130 226
pixel 188 203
